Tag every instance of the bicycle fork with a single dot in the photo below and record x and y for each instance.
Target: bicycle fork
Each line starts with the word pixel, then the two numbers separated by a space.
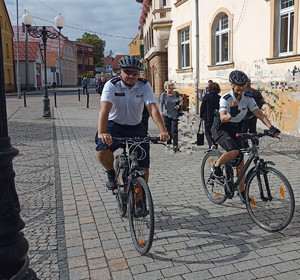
pixel 261 169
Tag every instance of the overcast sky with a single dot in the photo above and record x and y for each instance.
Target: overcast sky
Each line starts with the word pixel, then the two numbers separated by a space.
pixel 114 21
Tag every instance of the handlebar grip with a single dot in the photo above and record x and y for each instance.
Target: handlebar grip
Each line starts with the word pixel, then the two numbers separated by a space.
pixel 154 140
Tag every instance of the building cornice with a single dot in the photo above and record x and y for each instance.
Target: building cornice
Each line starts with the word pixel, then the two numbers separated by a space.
pixel 283 59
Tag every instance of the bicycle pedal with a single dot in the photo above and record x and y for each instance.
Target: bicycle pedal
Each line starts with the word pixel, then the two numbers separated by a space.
pixel 220 180
pixel 115 191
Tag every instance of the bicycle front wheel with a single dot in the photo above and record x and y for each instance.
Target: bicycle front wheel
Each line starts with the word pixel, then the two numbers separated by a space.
pixel 271 202
pixel 141 216
pixel 121 193
pixel 213 188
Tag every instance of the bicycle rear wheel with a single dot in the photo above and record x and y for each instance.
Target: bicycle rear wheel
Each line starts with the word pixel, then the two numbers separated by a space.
pixel 141 216
pixel 120 194
pixel 213 188
pixel 271 202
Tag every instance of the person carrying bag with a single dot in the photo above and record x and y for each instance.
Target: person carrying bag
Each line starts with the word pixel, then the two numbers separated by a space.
pixel 209 104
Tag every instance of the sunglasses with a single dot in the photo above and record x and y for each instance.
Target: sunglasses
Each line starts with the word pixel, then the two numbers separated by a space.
pixel 240 86
pixel 128 72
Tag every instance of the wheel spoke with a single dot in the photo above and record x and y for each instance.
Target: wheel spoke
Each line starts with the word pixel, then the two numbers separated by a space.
pixel 213 188
pixel 141 216
pixel 272 201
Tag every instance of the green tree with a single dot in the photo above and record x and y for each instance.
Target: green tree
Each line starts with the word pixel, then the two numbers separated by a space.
pixel 98 44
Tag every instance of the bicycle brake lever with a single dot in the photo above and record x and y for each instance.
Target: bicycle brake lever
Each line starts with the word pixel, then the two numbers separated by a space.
pixel 154 140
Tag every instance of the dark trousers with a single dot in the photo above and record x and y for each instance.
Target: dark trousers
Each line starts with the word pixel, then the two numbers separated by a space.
pixel 84 90
pixel 208 134
pixel 249 125
pixel 172 128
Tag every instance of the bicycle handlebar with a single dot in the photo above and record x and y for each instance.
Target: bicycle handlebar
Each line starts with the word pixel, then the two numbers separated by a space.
pixel 148 139
pixel 266 132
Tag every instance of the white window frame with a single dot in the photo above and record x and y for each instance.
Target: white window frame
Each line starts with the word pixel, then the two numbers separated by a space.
pixel 286 11
pixel 218 34
pixel 185 62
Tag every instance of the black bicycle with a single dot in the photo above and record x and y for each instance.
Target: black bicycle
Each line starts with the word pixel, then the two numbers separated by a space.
pixel 270 199
pixel 133 193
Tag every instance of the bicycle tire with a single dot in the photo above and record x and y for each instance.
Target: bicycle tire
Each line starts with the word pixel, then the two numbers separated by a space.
pixel 120 195
pixel 274 214
pixel 213 188
pixel 141 228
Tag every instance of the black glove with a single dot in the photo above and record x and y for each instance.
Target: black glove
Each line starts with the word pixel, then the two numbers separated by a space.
pixel 234 111
pixel 273 130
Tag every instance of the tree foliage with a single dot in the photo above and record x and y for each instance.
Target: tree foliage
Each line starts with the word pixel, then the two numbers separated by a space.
pixel 99 46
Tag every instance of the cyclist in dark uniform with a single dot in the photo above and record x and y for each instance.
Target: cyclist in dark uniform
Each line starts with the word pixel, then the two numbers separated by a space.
pixel 233 107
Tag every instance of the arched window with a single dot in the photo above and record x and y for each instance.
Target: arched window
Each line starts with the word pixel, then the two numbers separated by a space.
pixel 221 40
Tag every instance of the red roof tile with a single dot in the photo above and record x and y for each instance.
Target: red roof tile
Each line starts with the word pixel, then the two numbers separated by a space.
pixel 115 63
pixel 52 44
pixel 33 48
pixel 51 59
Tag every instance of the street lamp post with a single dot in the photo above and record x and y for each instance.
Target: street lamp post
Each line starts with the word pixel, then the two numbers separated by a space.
pixel 44 34
pixel 59 63
pixel 26 58
pixel 14 261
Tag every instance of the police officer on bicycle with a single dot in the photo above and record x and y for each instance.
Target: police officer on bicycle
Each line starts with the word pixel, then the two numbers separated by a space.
pixel 121 111
pixel 233 107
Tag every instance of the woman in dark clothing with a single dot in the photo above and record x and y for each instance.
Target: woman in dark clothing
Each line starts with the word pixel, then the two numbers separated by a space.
pixel 210 103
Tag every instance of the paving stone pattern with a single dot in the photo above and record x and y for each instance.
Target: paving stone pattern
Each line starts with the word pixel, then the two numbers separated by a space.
pixel 73 228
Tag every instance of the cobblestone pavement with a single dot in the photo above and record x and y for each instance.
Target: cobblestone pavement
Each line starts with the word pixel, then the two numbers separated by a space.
pixel 73 228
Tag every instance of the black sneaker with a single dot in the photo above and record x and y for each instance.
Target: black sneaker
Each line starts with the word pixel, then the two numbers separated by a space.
pixel 175 149
pixel 217 172
pixel 140 210
pixel 111 183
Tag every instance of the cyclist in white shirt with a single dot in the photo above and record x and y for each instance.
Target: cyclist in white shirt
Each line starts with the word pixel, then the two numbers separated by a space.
pixel 233 108
pixel 121 111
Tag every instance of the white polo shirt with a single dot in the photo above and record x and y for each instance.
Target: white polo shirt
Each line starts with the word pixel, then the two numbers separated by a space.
pixel 247 101
pixel 127 104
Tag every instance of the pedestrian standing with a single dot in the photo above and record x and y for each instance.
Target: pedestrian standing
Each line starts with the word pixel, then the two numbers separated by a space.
pixel 100 85
pixel 205 90
pixel 84 85
pixel 210 103
pixel 249 123
pixel 169 105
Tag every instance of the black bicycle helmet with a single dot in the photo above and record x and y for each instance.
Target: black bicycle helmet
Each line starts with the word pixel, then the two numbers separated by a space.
pixel 238 78
pixel 130 62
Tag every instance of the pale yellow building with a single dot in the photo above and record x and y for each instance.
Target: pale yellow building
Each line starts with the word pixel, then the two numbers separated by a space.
pixel 134 46
pixel 189 42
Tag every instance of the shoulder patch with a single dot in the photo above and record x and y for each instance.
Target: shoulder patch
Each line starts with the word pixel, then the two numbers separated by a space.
pixel 227 96
pixel 249 94
pixel 115 80
pixel 142 80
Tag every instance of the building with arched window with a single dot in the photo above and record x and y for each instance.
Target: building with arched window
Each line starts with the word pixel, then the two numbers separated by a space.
pixel 189 42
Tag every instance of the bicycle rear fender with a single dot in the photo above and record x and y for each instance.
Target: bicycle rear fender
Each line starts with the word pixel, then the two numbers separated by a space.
pixel 215 150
